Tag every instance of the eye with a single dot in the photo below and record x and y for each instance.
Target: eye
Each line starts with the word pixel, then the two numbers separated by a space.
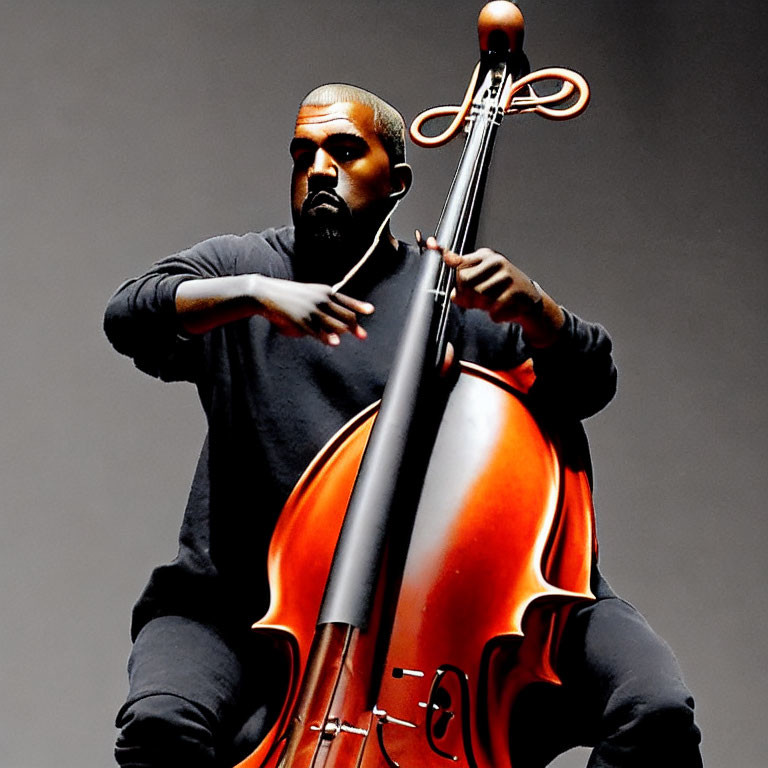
pixel 302 152
pixel 347 152
pixel 302 158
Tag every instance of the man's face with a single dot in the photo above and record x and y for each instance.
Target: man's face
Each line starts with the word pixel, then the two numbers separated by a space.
pixel 341 178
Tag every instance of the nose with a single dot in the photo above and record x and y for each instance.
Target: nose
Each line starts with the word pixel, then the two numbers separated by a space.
pixel 323 168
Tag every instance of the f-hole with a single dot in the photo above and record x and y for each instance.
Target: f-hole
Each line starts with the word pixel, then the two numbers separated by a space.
pixel 439 716
pixel 442 704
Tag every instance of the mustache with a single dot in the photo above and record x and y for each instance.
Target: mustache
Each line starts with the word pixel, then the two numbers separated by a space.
pixel 324 197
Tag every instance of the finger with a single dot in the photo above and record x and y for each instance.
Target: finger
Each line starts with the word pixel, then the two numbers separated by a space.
pixel 463 298
pixel 475 265
pixel 361 307
pixel 449 257
pixel 473 274
pixel 326 323
pixel 339 312
pixel 496 285
pixel 505 308
pixel 329 328
pixel 448 359
pixel 454 260
pixel 467 299
pixel 480 256
pixel 484 290
pixel 315 325
pixel 331 339
pixel 348 324
pixel 349 318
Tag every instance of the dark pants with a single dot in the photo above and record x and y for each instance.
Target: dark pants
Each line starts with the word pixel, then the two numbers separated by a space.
pixel 199 697
pixel 623 694
pixel 193 688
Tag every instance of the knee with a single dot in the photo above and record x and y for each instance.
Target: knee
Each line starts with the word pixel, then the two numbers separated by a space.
pixel 668 717
pixel 164 729
pixel 658 726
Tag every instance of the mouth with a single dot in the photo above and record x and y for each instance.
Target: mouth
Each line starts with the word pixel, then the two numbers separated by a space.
pixel 323 201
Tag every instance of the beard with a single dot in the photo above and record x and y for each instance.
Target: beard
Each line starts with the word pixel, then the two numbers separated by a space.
pixel 324 220
pixel 330 238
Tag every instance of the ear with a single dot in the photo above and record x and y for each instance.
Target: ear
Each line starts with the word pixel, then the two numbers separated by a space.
pixel 402 178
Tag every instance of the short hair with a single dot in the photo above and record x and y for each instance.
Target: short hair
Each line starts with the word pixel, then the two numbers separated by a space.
pixel 387 121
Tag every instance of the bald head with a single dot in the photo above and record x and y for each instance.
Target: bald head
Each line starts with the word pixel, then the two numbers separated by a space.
pixel 387 121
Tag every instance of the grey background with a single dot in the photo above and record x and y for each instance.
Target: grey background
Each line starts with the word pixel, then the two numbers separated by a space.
pixel 130 130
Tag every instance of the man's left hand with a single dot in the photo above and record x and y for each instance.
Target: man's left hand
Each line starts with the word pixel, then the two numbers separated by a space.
pixel 487 280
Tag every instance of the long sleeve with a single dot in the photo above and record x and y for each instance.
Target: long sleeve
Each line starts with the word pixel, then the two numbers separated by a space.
pixel 576 376
pixel 141 320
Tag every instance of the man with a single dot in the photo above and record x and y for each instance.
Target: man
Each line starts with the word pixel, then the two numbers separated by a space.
pixel 254 322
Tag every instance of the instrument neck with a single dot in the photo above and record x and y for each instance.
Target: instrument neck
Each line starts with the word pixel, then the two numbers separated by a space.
pixel 457 227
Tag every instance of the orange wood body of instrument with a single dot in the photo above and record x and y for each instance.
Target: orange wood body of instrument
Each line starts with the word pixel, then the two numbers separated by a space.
pixel 414 612
pixel 480 608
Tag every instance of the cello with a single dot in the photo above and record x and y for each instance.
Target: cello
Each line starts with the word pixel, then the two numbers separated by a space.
pixel 423 567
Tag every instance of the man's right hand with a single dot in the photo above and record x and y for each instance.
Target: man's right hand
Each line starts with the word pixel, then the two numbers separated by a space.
pixel 310 309
pixel 296 309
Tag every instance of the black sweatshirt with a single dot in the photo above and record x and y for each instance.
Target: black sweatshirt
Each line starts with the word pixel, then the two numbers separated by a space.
pixel 272 402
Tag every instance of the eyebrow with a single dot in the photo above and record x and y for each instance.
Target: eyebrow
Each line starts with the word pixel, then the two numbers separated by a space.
pixel 335 138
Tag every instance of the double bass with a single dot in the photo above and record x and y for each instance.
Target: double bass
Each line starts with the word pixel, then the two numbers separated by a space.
pixel 423 567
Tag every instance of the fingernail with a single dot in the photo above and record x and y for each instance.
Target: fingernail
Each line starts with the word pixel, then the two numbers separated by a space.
pixel 361 333
pixel 333 339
